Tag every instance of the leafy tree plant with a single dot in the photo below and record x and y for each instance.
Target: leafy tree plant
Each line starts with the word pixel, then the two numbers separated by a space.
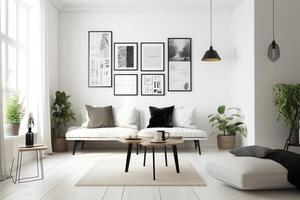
pixel 228 121
pixel 61 114
pixel 287 101
pixel 13 110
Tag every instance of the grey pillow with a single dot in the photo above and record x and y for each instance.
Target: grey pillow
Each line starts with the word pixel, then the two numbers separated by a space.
pixel 252 151
pixel 100 116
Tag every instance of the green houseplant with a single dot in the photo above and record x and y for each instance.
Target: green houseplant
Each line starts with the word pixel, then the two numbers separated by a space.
pixel 229 122
pixel 287 101
pixel 61 114
pixel 13 115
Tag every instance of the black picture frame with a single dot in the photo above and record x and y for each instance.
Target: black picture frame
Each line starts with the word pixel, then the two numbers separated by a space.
pixel 164 84
pixel 163 56
pixel 89 59
pixel 137 55
pixel 190 65
pixel 126 94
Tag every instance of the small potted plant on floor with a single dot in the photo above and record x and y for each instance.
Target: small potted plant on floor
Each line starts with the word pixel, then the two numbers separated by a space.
pixel 13 115
pixel 229 122
pixel 61 114
pixel 287 101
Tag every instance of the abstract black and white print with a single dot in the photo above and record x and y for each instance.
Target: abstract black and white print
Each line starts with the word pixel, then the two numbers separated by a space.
pixel 126 55
pixel 100 59
pixel 153 84
pixel 179 64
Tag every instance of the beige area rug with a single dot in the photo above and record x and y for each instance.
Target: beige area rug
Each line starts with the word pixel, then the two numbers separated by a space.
pixel 110 172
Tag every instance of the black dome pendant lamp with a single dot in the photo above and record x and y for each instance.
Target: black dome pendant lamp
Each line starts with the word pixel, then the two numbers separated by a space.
pixel 211 55
pixel 273 49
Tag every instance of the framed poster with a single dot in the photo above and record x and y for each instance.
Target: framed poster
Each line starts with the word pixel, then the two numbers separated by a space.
pixel 126 85
pixel 152 56
pixel 180 64
pixel 100 58
pixel 152 84
pixel 126 56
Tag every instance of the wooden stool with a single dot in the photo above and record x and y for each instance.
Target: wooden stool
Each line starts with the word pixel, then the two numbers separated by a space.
pixel 38 148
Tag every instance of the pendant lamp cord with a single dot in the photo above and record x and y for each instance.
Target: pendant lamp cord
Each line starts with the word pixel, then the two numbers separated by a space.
pixel 211 22
pixel 273 20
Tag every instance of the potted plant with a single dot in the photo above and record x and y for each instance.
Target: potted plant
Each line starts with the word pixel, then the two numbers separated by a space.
pixel 229 122
pixel 13 115
pixel 287 101
pixel 61 114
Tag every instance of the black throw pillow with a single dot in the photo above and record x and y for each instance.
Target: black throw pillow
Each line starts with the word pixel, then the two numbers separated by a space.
pixel 161 117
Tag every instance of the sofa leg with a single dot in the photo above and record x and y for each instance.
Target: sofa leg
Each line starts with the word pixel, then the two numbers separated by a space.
pixel 75 145
pixel 199 147
pixel 195 143
pixel 137 148
pixel 82 145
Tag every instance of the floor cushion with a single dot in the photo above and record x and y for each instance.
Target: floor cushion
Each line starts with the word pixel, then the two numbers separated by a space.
pixel 248 173
pixel 175 132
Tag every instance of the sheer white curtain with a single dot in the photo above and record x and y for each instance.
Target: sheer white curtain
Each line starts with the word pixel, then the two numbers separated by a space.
pixel 39 98
pixel 3 172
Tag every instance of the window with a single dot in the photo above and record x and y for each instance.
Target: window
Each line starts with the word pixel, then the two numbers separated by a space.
pixel 14 39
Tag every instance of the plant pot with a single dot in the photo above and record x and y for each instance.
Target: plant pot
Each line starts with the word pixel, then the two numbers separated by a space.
pixel 12 129
pixel 59 144
pixel 226 142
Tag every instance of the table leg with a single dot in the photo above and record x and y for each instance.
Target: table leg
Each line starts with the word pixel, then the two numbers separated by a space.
pixel 176 158
pixel 42 163
pixel 137 148
pixel 166 159
pixel 153 155
pixel 20 167
pixel 128 156
pixel 145 152
pixel 37 164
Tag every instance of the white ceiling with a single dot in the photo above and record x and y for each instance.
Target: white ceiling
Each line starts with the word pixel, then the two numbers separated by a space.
pixel 143 4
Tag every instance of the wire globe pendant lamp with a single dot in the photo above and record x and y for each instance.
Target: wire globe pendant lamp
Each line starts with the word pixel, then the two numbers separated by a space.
pixel 273 49
pixel 211 55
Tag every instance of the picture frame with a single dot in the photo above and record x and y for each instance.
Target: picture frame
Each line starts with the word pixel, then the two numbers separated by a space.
pixel 125 84
pixel 179 64
pixel 152 56
pixel 152 84
pixel 100 58
pixel 125 56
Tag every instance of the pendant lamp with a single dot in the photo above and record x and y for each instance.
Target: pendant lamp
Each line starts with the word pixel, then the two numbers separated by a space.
pixel 211 54
pixel 273 49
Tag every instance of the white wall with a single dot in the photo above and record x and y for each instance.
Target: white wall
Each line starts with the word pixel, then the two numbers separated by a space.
pixel 243 57
pixel 212 82
pixel 52 46
pixel 268 131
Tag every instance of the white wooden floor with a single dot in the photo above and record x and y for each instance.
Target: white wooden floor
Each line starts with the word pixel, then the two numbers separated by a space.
pixel 62 171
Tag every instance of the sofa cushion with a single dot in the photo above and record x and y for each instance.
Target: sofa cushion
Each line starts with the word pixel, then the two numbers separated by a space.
pixel 111 132
pixel 248 173
pixel 174 132
pixel 100 116
pixel 124 116
pixel 161 117
pixel 183 117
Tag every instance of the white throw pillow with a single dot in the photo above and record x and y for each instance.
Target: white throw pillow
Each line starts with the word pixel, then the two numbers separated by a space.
pixel 124 117
pixel 184 117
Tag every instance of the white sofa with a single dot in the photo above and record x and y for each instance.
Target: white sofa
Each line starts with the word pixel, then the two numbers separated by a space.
pixel 248 173
pixel 127 122
pixel 125 119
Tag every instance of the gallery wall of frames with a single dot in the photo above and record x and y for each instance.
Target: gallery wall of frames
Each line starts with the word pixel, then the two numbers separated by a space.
pixel 117 64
